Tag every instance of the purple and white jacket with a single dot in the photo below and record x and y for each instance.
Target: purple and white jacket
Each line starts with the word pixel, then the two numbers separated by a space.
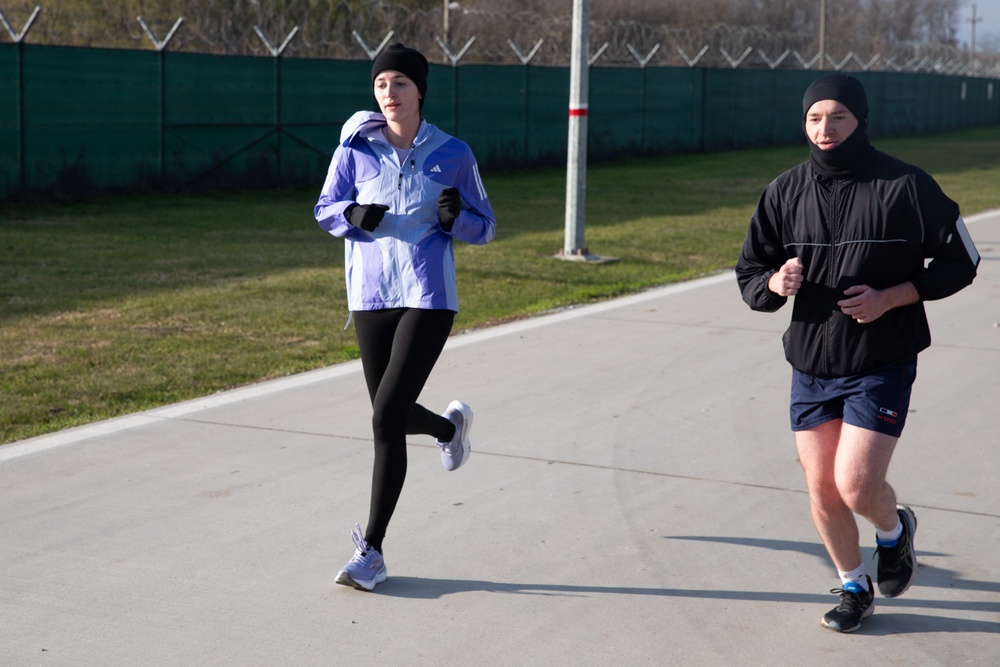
pixel 408 260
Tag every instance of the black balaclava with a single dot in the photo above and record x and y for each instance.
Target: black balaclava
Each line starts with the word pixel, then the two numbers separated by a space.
pixel 407 61
pixel 850 158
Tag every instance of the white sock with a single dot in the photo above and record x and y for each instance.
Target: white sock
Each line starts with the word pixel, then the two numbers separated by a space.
pixel 890 536
pixel 857 575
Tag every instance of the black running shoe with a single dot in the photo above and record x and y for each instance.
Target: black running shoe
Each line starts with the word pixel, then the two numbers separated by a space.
pixel 897 566
pixel 855 604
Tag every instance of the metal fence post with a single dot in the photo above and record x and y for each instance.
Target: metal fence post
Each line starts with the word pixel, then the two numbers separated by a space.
pixel 526 60
pixel 18 37
pixel 160 46
pixel 276 54
pixel 454 58
pixel 643 61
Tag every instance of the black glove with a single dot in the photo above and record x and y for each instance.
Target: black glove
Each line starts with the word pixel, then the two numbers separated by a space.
pixel 367 216
pixel 449 206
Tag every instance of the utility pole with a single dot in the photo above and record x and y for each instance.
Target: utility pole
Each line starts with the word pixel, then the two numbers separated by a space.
pixel 447 19
pixel 972 41
pixel 822 33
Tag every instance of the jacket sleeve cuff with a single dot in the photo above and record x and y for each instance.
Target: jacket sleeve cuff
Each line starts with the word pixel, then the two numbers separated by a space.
pixel 760 297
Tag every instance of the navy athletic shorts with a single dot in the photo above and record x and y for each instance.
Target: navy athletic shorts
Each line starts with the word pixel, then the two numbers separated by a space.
pixel 876 400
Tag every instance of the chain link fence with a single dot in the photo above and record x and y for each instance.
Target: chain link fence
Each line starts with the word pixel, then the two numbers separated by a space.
pixel 176 114
pixel 75 121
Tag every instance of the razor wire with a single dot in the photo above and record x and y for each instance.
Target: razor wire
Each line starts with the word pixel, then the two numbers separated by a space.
pixel 332 30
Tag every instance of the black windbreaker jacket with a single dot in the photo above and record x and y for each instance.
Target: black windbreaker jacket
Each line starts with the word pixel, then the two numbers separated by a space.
pixel 876 230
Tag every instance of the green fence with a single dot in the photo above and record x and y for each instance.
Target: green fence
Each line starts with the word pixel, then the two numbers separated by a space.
pixel 76 120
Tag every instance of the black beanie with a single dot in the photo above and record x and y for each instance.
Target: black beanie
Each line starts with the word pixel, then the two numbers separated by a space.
pixel 405 60
pixel 840 87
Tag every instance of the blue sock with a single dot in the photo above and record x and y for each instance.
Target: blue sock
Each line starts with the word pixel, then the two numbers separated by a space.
pixel 854 581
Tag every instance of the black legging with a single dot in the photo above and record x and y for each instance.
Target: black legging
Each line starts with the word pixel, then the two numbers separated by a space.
pixel 399 348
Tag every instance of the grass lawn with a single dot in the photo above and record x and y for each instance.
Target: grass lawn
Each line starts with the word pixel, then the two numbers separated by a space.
pixel 118 305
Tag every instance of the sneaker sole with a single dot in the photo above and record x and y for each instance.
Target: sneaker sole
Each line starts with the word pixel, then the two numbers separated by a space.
pixel 345 579
pixel 868 612
pixel 910 518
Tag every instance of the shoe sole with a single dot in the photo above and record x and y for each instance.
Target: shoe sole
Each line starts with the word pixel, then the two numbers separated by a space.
pixel 868 612
pixel 910 518
pixel 345 579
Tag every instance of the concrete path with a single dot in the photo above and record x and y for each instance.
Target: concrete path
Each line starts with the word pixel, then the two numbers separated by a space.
pixel 633 499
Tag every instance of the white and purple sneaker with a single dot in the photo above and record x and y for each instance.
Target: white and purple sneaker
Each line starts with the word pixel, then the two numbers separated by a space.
pixel 456 451
pixel 366 569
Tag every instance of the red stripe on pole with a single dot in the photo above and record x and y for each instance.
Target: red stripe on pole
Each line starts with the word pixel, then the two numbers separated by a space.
pixel 578 112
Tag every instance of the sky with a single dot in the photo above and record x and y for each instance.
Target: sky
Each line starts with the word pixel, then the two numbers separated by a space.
pixel 987 29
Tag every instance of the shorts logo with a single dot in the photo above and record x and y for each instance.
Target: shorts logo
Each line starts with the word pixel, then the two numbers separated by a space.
pixel 436 169
pixel 887 415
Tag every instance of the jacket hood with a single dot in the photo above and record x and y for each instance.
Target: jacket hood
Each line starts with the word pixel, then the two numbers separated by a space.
pixel 369 124
pixel 361 123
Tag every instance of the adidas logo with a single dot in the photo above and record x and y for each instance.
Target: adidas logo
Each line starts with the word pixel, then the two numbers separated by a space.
pixel 436 169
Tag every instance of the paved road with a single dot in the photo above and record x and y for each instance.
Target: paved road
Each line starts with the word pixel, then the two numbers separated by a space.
pixel 633 499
